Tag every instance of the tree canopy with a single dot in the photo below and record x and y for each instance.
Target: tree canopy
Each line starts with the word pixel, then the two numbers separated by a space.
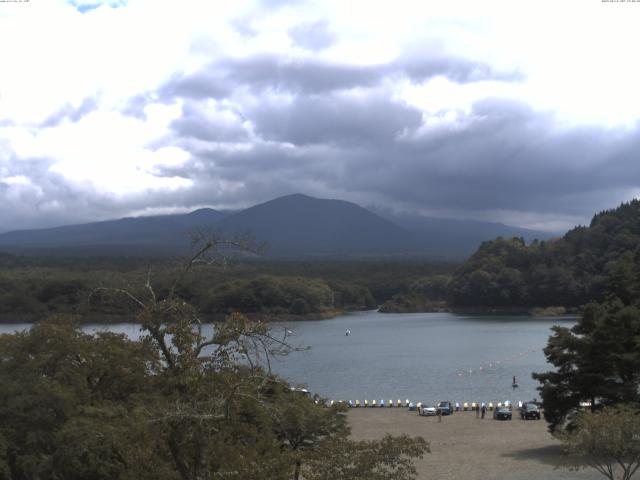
pixel 596 361
pixel 176 404
pixel 583 266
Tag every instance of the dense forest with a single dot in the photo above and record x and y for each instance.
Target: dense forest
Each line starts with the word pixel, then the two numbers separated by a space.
pixel 33 287
pixel 176 404
pixel 587 264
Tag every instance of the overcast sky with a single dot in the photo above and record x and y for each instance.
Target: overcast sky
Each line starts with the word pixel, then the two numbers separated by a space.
pixel 525 112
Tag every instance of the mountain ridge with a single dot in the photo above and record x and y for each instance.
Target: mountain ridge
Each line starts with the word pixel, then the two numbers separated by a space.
pixel 295 225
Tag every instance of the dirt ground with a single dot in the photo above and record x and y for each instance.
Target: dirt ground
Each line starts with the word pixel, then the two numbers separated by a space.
pixel 464 447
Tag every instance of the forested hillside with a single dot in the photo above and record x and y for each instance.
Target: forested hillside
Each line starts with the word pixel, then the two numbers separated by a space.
pixel 33 287
pixel 585 265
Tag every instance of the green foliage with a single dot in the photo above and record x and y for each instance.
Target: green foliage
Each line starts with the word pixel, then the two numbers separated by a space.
pixel 33 287
pixel 607 441
pixel 597 361
pixel 389 459
pixel 174 405
pixel 269 294
pixel 65 398
pixel 426 294
pixel 585 265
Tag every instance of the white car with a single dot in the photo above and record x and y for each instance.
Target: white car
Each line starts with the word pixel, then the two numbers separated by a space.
pixel 427 410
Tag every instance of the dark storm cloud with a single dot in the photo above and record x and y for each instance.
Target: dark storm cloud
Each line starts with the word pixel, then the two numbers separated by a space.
pixel 71 113
pixel 335 119
pixel 508 158
pixel 201 123
pixel 298 76
pixel 207 83
pixel 313 36
pixel 503 155
pixel 260 127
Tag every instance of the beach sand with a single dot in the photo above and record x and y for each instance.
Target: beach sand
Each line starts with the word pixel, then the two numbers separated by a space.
pixel 464 447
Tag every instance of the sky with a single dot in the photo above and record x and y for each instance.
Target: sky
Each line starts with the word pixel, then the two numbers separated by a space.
pixel 522 112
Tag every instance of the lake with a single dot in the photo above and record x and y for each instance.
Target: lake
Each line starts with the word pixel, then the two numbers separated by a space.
pixel 423 357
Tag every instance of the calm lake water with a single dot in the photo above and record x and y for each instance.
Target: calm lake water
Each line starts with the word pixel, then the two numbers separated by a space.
pixel 423 357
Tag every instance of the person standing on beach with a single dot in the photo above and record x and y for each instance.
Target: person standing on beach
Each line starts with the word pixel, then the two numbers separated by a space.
pixel 484 410
pixel 477 410
pixel 439 415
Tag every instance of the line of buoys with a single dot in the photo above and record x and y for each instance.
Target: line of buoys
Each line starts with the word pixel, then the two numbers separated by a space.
pixel 491 364
pixel 465 406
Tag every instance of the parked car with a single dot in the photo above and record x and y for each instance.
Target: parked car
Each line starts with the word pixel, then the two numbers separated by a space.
pixel 445 408
pixel 530 411
pixel 427 410
pixel 502 413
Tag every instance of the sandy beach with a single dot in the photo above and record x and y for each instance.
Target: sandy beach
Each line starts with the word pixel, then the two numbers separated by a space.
pixel 464 447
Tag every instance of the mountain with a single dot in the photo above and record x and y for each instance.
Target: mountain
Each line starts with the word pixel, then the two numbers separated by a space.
pixel 163 232
pixel 297 225
pixel 450 237
pixel 292 226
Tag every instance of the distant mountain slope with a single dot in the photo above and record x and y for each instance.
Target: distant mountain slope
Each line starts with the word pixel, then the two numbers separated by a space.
pixel 292 226
pixel 300 225
pixel 159 231
pixel 586 264
pixel 458 238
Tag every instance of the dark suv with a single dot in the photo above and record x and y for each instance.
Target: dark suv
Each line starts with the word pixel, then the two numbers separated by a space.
pixel 530 411
pixel 445 408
